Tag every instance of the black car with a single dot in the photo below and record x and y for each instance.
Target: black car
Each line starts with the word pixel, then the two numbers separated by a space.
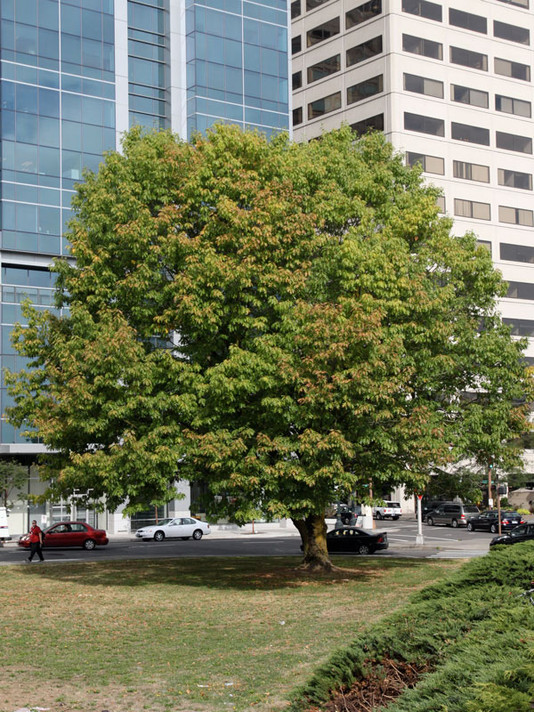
pixel 524 532
pixel 352 540
pixel 489 521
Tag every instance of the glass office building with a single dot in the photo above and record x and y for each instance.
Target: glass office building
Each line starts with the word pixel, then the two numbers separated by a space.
pixel 76 74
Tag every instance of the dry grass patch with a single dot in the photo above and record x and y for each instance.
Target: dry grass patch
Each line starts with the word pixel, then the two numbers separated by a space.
pixel 189 635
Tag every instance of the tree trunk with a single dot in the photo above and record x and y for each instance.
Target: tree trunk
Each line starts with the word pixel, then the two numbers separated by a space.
pixel 312 531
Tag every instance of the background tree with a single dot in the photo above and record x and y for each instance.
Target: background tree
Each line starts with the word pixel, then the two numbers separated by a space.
pixel 288 321
pixel 13 480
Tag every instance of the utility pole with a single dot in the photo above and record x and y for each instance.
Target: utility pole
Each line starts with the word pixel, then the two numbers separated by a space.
pixel 490 498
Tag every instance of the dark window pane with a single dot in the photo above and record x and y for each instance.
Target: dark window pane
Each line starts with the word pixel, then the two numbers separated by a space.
pixel 467 58
pixel 373 123
pixel 476 23
pixel 323 32
pixel 513 142
pixel 418 45
pixel 364 90
pixel 511 32
pixel 324 68
pixel 472 134
pixel 364 51
pixel 430 10
pixel 424 124
pixel 363 12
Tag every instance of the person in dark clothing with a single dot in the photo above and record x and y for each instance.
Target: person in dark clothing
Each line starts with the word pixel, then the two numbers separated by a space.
pixel 36 542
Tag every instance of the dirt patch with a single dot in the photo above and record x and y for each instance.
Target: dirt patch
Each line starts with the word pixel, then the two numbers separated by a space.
pixel 385 681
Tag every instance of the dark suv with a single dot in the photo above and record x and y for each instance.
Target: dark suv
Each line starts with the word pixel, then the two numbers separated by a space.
pixel 453 514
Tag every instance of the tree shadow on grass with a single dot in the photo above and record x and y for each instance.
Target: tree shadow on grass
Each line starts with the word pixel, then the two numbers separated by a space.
pixel 242 573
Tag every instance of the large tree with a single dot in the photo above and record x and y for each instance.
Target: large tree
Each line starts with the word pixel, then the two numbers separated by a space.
pixel 285 321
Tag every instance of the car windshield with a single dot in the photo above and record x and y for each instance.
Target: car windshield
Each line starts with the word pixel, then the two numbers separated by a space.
pixel 510 515
pixel 159 523
pixel 518 531
pixel 393 504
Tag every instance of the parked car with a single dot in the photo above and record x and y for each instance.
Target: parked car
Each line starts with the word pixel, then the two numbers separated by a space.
pixel 453 514
pixel 389 510
pixel 489 521
pixel 352 540
pixel 177 528
pixel 524 532
pixel 69 534
pixel 430 506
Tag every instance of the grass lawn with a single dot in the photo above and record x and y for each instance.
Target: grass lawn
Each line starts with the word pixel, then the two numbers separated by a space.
pixel 186 634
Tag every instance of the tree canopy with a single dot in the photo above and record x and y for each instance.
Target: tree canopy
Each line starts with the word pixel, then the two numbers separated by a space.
pixel 284 321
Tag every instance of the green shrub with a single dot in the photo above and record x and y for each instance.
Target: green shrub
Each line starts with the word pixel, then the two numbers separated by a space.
pixel 474 630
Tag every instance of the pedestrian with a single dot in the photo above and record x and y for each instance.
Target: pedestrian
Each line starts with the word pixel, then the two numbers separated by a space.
pixel 36 541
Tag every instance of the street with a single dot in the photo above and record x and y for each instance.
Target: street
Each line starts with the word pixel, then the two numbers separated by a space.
pixel 439 542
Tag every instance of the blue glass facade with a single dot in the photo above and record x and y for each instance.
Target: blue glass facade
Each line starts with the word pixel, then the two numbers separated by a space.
pixel 57 97
pixel 237 64
pixel 74 73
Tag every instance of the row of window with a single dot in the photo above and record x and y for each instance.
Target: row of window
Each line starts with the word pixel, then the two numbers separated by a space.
pixel 429 10
pixel 331 65
pixel 471 171
pixel 465 57
pixel 433 11
pixel 465 132
pixel 482 211
pixel 468 20
pixel 466 95
pixel 325 105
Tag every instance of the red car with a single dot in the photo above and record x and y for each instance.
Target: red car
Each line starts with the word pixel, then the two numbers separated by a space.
pixel 69 534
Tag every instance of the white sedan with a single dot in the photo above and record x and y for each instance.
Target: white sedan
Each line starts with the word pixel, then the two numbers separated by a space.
pixel 177 528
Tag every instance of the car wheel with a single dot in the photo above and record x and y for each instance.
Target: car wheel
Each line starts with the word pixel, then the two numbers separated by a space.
pixel 89 544
pixel 394 518
pixel 493 529
pixel 454 523
pixel 430 521
pixel 197 534
pixel 470 527
pixel 379 515
pixel 364 549
pixel 159 536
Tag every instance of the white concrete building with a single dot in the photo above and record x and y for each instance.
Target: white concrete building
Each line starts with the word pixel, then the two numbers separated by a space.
pixel 450 84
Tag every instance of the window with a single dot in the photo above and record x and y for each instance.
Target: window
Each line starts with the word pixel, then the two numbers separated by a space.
pixel 508 105
pixel 511 32
pixel 430 10
pixel 515 179
pixel 486 244
pixel 362 13
pixel 476 23
pixel 470 171
pixel 517 253
pixel 424 124
pixel 373 123
pixel 364 51
pixel 511 142
pixel 423 85
pixel 472 209
pixel 296 80
pixel 520 327
pixel 312 4
pixel 365 89
pixel 515 216
pixel 520 290
pixel 519 3
pixel 467 58
pixel 324 106
pixel 297 116
pixel 296 44
pixel 466 95
pixel 440 202
pixel 471 134
pixel 515 70
pixel 418 45
pixel 324 68
pixel 430 164
pixel 323 32
pixel 295 9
